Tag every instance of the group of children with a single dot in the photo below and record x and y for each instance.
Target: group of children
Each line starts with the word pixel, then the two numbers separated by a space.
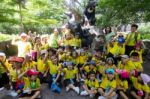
pixel 106 74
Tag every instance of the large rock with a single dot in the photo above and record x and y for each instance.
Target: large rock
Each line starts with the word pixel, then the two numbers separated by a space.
pixel 8 49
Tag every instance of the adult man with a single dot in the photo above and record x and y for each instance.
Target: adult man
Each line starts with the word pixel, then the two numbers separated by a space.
pixel 132 38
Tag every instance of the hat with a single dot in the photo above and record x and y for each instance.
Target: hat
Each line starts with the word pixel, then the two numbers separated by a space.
pixel 124 56
pixel 145 78
pixel 110 71
pixel 110 58
pixel 121 40
pixel 32 72
pixel 23 35
pixel 2 54
pixel 16 59
pixel 124 74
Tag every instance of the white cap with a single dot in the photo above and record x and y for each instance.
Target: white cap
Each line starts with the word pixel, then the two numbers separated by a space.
pixel 124 56
pixel 2 54
pixel 23 35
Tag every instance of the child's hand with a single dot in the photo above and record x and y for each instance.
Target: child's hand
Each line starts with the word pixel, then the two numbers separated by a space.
pixel 45 75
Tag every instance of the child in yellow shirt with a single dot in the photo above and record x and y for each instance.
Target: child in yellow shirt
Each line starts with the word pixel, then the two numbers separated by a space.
pixel 91 85
pixel 122 84
pixel 108 85
pixel 140 89
pixel 71 77
pixel 136 61
pixel 32 85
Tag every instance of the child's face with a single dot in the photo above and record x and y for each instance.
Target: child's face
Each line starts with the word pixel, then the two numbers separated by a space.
pixel 110 76
pixel 1 58
pixel 70 67
pixel 91 66
pixel 110 62
pixel 33 77
pixel 92 77
pixel 135 58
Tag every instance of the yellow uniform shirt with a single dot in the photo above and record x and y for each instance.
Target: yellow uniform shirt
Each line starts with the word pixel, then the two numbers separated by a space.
pixel 14 75
pixel 129 66
pixel 139 86
pixel 81 59
pixel 122 84
pixel 130 39
pixel 76 42
pixel 3 69
pixel 117 50
pixel 87 69
pixel 27 83
pixel 41 67
pixel 92 84
pixel 108 84
pixel 54 69
pixel 70 74
pixel 29 65
pixel 138 66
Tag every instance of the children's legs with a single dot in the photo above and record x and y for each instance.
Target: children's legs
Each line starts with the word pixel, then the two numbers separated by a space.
pixel 37 93
pixel 134 95
pixel 123 95
pixel 100 90
pixel 111 95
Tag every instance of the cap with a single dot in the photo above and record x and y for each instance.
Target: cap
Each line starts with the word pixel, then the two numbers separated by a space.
pixel 145 78
pixel 110 71
pixel 121 40
pixel 124 74
pixel 2 54
pixel 16 59
pixel 23 35
pixel 124 56
pixel 32 72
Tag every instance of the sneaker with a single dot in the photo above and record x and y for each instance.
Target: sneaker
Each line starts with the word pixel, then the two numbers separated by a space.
pixel 13 93
pixel 84 93
pixel 77 90
pixel 67 89
pixel 2 88
pixel 101 97
pixel 92 95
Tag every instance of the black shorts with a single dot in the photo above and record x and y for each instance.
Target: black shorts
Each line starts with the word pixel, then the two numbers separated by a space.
pixel 68 81
pixel 119 90
pixel 27 95
pixel 4 80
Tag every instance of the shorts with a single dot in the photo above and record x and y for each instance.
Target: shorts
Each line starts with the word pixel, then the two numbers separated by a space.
pixel 4 80
pixel 70 81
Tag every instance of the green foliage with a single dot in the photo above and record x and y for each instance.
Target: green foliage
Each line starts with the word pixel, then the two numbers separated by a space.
pixel 116 12
pixel 22 14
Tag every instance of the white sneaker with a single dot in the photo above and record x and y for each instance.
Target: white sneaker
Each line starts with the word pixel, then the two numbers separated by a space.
pixel 77 90
pixel 2 88
pixel 84 93
pixel 13 93
pixel 101 97
pixel 92 95
pixel 67 89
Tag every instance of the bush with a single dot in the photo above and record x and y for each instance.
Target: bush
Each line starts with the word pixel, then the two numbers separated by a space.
pixel 6 37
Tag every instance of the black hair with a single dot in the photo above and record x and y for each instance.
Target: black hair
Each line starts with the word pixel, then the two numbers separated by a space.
pixel 134 25
pixel 110 30
pixel 91 72
pixel 135 54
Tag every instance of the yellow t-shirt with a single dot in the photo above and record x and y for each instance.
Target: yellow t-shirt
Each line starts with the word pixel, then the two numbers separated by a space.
pixel 139 86
pixel 27 83
pixel 81 59
pixel 70 74
pixel 108 84
pixel 138 66
pixel 92 84
pixel 101 69
pixel 76 42
pixel 128 66
pixel 29 65
pixel 130 39
pixel 117 50
pixel 87 69
pixel 54 69
pixel 122 84
pixel 14 75
pixel 8 66
pixel 41 67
